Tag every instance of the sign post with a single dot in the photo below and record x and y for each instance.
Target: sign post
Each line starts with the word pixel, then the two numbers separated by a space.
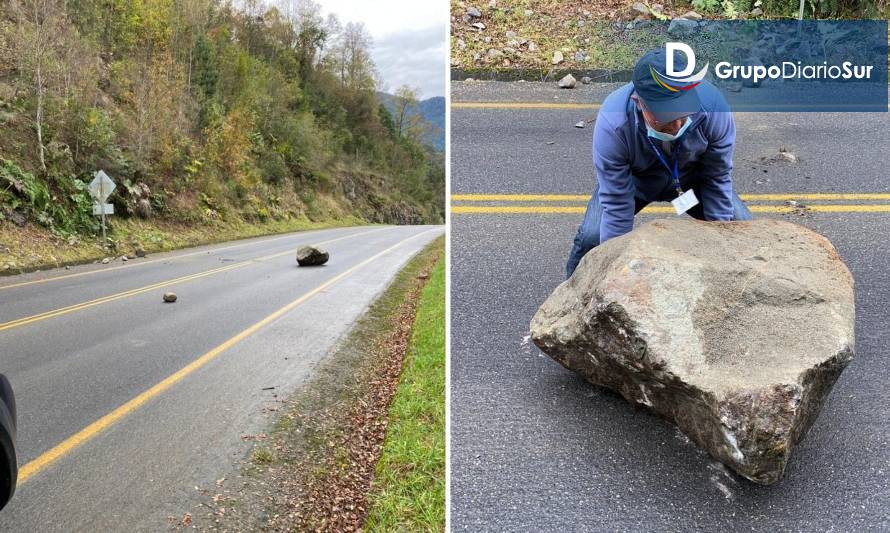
pixel 101 188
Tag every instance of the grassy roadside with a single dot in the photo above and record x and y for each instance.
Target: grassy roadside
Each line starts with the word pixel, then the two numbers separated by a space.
pixel 313 470
pixel 29 248
pixel 408 493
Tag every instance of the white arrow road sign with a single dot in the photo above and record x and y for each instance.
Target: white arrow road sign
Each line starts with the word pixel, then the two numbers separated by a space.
pixel 101 187
pixel 103 209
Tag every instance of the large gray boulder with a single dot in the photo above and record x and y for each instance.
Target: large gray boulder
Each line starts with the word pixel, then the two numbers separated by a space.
pixel 734 331
pixel 311 256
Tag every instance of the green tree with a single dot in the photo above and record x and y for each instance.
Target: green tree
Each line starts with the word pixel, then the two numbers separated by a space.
pixel 408 120
pixel 206 67
pixel 386 120
pixel 39 25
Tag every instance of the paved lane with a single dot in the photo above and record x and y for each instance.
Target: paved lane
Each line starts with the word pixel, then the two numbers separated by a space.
pixel 128 404
pixel 521 150
pixel 35 293
pixel 535 448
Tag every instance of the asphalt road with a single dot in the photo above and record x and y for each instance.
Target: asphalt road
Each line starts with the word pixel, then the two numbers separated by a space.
pixel 535 448
pixel 127 404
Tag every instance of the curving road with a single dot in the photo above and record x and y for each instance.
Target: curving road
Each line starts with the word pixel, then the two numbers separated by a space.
pixel 127 404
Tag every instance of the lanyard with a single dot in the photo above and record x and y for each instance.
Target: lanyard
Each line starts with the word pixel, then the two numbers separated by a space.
pixel 675 156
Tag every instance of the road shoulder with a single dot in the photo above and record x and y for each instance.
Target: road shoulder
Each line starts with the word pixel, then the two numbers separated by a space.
pixel 534 92
pixel 315 467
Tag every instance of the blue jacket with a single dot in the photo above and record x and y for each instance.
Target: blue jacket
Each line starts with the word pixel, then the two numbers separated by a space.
pixel 626 164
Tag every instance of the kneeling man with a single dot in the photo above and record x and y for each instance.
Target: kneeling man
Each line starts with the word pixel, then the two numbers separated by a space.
pixel 656 141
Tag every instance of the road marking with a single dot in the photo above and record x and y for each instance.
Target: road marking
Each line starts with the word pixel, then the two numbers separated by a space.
pixel 597 105
pixel 519 197
pixel 840 208
pixel 817 196
pixel 142 263
pixel 770 197
pixel 523 105
pixel 586 197
pixel 133 292
pixel 89 432
pixel 535 209
pixel 105 299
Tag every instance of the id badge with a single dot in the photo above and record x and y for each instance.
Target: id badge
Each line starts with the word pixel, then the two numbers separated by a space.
pixel 685 202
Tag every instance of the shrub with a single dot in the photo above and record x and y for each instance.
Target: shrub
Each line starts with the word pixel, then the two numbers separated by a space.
pixel 31 196
pixel 822 8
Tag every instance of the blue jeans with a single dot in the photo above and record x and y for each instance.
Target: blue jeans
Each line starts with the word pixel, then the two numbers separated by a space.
pixel 588 235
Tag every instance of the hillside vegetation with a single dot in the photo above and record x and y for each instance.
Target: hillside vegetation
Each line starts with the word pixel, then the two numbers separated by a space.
pixel 204 112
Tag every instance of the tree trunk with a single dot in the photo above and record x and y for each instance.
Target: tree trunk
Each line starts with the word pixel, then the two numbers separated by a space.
pixel 40 92
pixel 39 51
pixel 191 54
pixel 403 106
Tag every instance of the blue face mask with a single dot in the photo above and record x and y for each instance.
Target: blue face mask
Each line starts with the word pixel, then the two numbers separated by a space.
pixel 667 136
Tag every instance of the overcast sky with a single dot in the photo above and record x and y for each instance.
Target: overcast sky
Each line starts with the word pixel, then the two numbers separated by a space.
pixel 409 39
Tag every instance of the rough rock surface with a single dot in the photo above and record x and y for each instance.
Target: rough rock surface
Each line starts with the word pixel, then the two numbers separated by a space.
pixel 169 297
pixel 734 331
pixel 640 8
pixel 680 27
pixel 311 256
pixel 567 82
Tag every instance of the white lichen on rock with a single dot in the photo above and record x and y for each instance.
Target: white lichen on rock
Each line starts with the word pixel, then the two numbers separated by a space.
pixel 735 331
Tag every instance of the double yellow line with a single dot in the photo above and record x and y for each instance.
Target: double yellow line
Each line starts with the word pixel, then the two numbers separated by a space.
pixel 746 197
pixel 543 203
pixel 105 299
pixel 595 106
pixel 137 264
pixel 49 457
pixel 166 283
pixel 523 105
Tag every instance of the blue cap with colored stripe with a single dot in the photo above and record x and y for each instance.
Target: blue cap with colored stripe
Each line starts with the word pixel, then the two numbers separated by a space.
pixel 667 98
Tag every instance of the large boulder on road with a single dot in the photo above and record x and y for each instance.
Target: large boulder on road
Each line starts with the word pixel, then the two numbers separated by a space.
pixel 734 331
pixel 311 256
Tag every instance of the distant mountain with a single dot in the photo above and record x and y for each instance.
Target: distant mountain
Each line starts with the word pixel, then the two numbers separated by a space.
pixel 432 110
